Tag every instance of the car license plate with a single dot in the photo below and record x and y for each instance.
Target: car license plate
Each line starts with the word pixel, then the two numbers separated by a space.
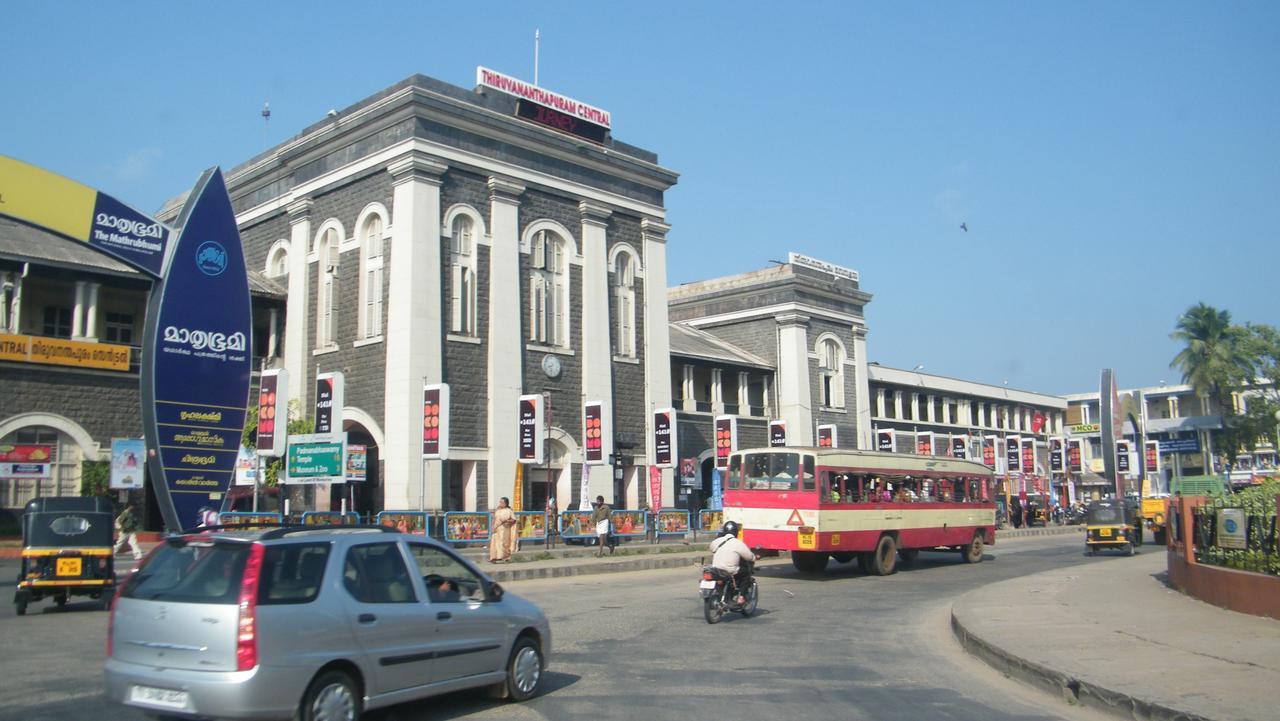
pixel 707 584
pixel 806 538
pixel 1104 532
pixel 68 567
pixel 163 697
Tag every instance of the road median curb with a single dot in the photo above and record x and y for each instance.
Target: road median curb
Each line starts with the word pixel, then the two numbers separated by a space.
pixel 1073 691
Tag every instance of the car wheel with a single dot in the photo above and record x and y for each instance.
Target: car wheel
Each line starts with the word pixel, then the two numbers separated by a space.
pixel 332 696
pixel 885 560
pixel 524 670
pixel 972 553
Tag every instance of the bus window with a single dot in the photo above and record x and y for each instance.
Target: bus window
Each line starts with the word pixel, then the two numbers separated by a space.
pixel 831 488
pixel 771 471
pixel 807 484
pixel 735 470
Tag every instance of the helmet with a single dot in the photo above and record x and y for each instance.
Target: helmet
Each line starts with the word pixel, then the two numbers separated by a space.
pixel 731 528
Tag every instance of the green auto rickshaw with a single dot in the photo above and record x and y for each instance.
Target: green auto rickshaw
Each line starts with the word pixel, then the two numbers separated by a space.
pixel 1113 523
pixel 67 551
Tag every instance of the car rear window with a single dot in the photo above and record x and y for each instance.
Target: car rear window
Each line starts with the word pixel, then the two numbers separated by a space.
pixel 182 571
pixel 291 573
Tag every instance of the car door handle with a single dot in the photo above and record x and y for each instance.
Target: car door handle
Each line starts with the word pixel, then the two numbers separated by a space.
pixel 444 616
pixel 366 618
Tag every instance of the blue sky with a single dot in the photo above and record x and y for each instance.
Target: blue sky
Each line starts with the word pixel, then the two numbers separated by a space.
pixel 1115 163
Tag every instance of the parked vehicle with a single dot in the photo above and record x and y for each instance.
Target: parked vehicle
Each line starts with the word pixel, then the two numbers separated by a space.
pixel 66 551
pixel 718 591
pixel 1115 524
pixel 314 623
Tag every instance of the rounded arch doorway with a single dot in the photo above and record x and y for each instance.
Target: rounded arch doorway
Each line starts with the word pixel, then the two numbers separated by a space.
pixel 364 497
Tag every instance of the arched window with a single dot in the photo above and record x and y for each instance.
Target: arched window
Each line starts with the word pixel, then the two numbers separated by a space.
pixel 371 277
pixel 831 373
pixel 327 288
pixel 624 304
pixel 278 260
pixel 549 290
pixel 462 278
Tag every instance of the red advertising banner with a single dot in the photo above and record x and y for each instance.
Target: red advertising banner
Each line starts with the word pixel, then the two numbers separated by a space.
pixel 273 405
pixel 726 428
pixel 593 419
pixel 435 421
pixel 827 437
pixel 1074 463
pixel 655 489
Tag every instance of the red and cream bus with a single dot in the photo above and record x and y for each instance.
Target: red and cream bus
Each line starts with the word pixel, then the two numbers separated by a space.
pixel 822 503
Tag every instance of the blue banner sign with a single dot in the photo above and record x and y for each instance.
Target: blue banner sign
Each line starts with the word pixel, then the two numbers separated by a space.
pixel 197 358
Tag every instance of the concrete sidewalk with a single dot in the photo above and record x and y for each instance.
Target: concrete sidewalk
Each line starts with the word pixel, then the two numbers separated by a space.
pixel 1112 636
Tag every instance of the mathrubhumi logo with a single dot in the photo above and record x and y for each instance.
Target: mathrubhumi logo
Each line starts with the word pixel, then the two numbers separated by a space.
pixel 211 258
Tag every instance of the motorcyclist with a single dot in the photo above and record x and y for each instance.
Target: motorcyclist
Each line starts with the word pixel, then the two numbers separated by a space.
pixel 730 553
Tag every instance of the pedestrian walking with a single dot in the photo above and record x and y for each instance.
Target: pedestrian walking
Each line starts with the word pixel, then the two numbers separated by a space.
pixel 503 537
pixel 127 526
pixel 600 519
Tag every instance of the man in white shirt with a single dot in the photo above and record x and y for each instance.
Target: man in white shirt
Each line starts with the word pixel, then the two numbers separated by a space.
pixel 730 553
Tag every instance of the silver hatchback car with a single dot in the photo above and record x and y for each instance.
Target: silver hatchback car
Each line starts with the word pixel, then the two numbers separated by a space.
pixel 314 624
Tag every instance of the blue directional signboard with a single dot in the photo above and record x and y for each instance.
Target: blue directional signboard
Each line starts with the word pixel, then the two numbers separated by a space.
pixel 198 359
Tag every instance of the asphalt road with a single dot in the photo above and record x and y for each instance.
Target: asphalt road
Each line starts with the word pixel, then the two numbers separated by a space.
pixel 635 646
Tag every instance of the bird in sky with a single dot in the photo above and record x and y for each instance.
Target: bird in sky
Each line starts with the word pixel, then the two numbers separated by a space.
pixel 964 227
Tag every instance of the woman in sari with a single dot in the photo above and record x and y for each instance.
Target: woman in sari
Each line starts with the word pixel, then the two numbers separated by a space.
pixel 502 540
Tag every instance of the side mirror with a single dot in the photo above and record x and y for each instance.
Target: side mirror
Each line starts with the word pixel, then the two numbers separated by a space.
pixel 495 592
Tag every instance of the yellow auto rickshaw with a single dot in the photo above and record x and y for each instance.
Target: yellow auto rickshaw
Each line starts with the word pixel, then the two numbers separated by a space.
pixel 1113 523
pixel 66 551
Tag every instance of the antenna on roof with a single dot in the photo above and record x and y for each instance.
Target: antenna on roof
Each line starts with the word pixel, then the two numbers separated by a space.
pixel 537 45
pixel 266 118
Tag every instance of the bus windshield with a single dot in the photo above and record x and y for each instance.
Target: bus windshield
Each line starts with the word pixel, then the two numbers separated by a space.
pixel 771 471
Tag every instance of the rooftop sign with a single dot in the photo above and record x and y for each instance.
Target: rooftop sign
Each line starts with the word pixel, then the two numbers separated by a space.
pixel 547 108
pixel 838 271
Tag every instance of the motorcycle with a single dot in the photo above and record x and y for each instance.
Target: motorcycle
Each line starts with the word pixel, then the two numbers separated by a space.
pixel 718 591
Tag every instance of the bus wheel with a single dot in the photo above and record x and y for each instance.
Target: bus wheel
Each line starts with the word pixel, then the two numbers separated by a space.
pixel 908 555
pixel 844 556
pixel 972 553
pixel 809 561
pixel 885 560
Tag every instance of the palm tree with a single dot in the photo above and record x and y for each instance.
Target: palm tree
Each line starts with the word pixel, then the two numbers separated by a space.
pixel 1213 359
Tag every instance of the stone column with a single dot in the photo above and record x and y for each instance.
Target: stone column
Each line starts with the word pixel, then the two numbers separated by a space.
pixel 506 339
pixel 794 403
pixel 91 311
pixel 413 337
pixel 296 347
pixel 597 357
pixel 657 338
pixel 77 314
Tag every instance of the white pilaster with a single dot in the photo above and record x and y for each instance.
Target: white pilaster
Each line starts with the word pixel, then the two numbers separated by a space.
pixel 414 332
pixel 597 358
pixel 657 338
pixel 296 347
pixel 506 340
pixel 862 389
pixel 795 405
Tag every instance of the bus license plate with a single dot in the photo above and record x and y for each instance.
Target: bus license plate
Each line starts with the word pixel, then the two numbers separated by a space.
pixel 68 567
pixel 806 538
pixel 163 697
